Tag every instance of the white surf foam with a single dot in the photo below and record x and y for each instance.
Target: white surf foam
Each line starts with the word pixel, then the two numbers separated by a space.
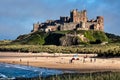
pixel 2 76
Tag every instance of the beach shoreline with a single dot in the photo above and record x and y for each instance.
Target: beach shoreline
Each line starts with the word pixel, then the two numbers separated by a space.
pixel 61 61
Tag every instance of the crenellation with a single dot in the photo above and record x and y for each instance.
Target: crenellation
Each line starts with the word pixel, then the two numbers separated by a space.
pixel 77 21
pixel 64 19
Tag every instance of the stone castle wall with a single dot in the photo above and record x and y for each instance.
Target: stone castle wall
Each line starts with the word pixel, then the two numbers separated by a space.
pixel 68 26
pixel 77 21
pixel 35 27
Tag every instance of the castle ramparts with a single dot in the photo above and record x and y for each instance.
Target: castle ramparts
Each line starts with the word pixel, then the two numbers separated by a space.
pixel 77 21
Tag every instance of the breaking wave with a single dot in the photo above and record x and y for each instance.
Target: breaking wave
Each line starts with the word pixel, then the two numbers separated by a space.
pixel 20 71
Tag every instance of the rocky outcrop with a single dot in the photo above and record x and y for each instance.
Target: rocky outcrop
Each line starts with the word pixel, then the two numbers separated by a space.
pixel 69 40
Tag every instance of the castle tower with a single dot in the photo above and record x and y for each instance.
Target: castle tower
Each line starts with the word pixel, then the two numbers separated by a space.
pixel 100 22
pixel 78 17
pixel 35 27
pixel 73 15
pixel 84 17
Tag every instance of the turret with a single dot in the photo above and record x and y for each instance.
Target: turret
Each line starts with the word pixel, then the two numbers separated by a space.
pixel 78 17
pixel 73 15
pixel 84 15
pixel 100 21
pixel 35 27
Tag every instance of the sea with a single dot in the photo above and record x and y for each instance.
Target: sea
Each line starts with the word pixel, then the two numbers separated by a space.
pixel 11 71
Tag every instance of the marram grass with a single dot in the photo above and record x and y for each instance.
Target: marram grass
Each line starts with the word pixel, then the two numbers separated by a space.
pixel 109 50
pixel 83 76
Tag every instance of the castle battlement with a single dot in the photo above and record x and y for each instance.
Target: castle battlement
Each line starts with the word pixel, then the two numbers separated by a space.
pixel 77 21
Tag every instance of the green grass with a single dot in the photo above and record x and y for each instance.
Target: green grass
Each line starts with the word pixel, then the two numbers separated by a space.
pixel 90 34
pixel 53 38
pixel 46 42
pixel 87 76
pixel 109 50
pixel 113 38
pixel 82 76
pixel 5 42
pixel 37 38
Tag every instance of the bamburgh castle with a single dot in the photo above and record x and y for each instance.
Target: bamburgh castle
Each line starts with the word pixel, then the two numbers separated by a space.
pixel 77 21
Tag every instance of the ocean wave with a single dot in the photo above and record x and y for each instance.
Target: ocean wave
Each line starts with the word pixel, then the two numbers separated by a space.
pixel 2 76
pixel 11 70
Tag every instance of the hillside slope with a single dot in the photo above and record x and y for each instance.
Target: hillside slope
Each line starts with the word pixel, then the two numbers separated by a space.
pixel 113 38
pixel 62 38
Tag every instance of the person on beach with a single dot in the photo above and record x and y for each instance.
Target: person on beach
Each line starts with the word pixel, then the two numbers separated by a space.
pixel 13 62
pixel 20 60
pixel 83 60
pixel 94 59
pixel 71 61
pixel 91 60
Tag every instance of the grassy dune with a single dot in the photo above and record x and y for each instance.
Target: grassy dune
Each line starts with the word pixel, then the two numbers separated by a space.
pixel 88 76
pixel 82 76
pixel 109 50
pixel 46 42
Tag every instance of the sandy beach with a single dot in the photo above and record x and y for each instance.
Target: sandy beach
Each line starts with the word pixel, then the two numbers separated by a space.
pixel 61 61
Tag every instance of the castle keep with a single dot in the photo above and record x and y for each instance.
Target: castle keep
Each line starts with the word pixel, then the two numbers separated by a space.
pixel 77 21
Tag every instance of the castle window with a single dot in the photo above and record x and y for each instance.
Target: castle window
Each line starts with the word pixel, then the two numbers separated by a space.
pixel 92 27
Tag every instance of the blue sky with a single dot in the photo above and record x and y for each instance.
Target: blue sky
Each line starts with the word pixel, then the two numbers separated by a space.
pixel 18 16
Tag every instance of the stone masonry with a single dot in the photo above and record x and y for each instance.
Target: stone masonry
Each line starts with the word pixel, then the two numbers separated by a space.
pixel 77 21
